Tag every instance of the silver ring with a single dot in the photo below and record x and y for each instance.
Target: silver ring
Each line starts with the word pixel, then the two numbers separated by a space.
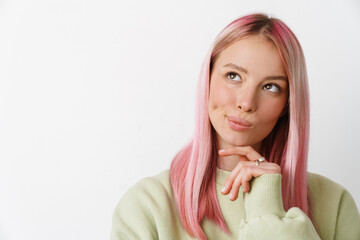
pixel 261 159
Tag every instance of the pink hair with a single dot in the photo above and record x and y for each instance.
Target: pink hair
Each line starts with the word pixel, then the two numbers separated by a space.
pixel 192 171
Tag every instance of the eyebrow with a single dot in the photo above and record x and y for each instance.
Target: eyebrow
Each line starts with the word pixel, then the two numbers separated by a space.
pixel 241 69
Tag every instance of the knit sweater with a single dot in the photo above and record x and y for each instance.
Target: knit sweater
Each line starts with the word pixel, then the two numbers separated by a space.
pixel 148 211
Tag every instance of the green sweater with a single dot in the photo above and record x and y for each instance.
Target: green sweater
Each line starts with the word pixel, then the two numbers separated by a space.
pixel 148 211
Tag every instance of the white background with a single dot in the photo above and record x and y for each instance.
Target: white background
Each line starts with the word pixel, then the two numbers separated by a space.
pixel 95 95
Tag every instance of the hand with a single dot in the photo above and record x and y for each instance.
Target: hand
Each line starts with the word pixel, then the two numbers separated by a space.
pixel 245 170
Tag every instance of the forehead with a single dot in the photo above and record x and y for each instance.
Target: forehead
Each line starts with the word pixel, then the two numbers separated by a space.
pixel 257 54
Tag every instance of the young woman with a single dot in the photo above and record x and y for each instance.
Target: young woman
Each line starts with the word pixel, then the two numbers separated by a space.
pixel 244 174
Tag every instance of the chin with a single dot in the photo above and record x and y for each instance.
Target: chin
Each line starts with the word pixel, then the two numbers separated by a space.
pixel 239 142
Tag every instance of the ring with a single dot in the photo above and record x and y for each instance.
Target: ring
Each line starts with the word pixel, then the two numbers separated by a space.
pixel 261 159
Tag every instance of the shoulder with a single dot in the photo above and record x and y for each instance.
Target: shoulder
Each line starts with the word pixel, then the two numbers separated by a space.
pixel 317 182
pixel 143 208
pixel 321 187
pixel 325 192
pixel 149 190
pixel 333 207
pixel 156 185
pixel 149 198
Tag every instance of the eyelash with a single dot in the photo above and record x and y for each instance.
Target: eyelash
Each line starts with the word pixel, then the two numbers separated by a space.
pixel 272 84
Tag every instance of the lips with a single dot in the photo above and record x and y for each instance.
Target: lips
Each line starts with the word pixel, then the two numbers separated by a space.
pixel 238 124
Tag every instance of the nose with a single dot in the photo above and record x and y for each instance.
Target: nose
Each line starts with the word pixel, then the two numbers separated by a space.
pixel 246 99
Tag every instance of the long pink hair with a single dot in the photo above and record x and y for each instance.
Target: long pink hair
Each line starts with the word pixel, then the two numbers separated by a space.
pixel 192 171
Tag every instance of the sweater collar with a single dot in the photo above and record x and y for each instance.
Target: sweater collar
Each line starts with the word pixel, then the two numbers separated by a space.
pixel 221 176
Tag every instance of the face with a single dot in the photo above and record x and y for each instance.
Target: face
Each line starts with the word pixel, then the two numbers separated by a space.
pixel 248 92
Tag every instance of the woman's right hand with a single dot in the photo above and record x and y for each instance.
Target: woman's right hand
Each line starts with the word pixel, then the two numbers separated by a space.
pixel 245 170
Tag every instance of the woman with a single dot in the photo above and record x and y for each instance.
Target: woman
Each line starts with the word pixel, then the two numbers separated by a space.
pixel 243 175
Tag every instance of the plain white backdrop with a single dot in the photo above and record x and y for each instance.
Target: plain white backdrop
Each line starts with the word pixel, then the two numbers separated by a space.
pixel 95 95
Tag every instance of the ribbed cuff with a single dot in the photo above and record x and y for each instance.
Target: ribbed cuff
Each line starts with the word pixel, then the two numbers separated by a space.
pixel 264 197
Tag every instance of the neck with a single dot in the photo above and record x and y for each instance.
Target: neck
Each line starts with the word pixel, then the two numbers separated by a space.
pixel 227 163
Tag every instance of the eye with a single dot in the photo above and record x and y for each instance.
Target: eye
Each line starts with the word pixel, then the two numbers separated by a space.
pixel 233 76
pixel 272 88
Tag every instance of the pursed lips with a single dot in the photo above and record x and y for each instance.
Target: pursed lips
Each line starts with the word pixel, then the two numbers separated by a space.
pixel 238 120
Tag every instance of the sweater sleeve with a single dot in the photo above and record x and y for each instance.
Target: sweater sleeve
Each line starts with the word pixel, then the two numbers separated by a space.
pixel 266 217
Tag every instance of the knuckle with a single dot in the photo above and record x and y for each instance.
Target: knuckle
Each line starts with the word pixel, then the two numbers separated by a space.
pixel 248 170
pixel 243 171
pixel 241 164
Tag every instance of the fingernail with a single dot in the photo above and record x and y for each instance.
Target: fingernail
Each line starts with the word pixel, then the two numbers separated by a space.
pixel 221 150
pixel 223 189
pixel 230 196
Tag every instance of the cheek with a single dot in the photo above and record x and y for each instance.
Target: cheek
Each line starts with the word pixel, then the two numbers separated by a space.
pixel 220 96
pixel 272 110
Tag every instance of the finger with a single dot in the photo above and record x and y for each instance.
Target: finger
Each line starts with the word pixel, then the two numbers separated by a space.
pixel 242 175
pixel 229 181
pixel 248 152
pixel 246 186
pixel 231 178
pixel 235 188
pixel 250 173
pixel 225 190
